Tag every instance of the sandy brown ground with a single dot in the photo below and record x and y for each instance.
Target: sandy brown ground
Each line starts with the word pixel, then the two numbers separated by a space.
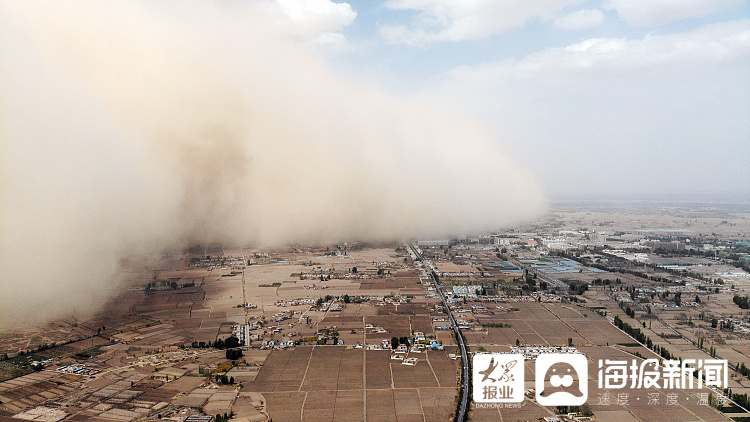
pixel 357 384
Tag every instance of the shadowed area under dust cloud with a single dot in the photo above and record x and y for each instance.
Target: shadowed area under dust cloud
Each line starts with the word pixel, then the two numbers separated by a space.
pixel 128 128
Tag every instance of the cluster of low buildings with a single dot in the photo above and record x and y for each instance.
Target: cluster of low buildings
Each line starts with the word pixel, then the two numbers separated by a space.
pixel 78 369
pixel 217 262
pixel 278 345
pixel 294 302
pixel 533 351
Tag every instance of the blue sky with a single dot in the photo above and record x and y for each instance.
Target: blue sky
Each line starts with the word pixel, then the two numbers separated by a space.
pixel 595 97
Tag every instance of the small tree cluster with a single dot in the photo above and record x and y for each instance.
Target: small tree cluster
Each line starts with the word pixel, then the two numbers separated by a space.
pixel 230 342
pixel 224 418
pixel 234 354
pixel 395 341
pixel 578 288
pixel 630 312
pixel 224 380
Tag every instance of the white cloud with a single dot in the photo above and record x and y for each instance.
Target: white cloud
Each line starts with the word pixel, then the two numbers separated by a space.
pixel 663 113
pixel 458 20
pixel 653 13
pixel 319 21
pixel 316 17
pixel 580 19
pixel 707 45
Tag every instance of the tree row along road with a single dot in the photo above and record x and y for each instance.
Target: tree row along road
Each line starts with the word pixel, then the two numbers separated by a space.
pixel 461 411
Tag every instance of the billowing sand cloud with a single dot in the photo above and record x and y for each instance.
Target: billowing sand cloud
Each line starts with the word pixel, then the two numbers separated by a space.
pixel 133 127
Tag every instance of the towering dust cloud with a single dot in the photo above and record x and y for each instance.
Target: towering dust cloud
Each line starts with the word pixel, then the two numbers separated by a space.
pixel 127 128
